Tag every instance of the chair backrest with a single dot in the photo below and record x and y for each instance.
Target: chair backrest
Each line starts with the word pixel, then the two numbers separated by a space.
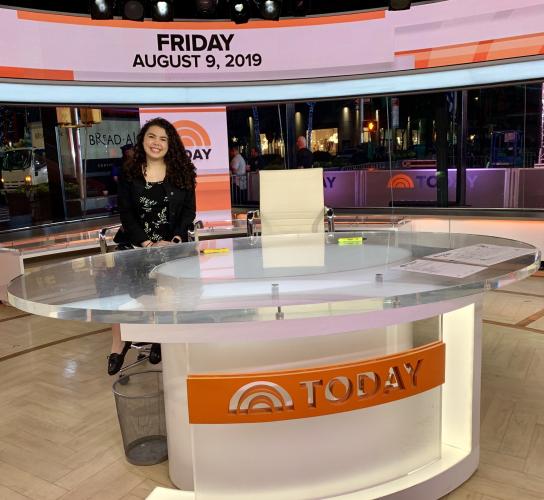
pixel 291 201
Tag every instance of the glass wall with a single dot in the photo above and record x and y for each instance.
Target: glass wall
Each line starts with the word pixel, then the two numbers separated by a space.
pixel 466 148
pixel 52 172
pixel 410 150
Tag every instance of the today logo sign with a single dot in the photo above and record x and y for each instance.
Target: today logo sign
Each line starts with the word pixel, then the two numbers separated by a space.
pixel 195 138
pixel 286 395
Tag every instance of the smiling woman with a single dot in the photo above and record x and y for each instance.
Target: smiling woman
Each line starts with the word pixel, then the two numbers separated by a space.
pixel 156 203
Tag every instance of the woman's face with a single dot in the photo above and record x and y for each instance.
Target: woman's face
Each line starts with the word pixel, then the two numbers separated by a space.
pixel 155 142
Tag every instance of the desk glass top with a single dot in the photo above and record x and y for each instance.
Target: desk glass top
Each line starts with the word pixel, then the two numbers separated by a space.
pixel 249 278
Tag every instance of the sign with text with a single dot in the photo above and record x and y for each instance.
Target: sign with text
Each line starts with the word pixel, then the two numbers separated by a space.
pixel 340 188
pixel 485 187
pixel 203 131
pixel 312 392
pixel 105 139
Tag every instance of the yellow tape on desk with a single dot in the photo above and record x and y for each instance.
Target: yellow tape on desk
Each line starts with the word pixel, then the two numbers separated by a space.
pixel 207 251
pixel 354 240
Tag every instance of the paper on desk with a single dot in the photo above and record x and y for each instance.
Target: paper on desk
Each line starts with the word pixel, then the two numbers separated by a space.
pixel 481 254
pixel 449 269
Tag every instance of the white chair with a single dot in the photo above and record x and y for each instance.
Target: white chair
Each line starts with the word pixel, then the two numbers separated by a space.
pixel 291 201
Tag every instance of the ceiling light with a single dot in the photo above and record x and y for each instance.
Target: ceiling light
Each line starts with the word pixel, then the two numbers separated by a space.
pixel 269 9
pixel 162 10
pixel 239 11
pixel 101 9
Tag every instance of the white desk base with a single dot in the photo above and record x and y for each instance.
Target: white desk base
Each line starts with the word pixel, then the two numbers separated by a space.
pixel 420 447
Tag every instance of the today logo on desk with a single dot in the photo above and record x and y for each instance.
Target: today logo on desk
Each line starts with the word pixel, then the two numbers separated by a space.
pixel 260 396
pixel 312 392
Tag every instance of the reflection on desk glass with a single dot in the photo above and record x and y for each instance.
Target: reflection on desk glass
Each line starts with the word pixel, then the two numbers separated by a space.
pixel 249 278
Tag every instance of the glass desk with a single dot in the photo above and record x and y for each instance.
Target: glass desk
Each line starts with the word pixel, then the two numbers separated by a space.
pixel 303 366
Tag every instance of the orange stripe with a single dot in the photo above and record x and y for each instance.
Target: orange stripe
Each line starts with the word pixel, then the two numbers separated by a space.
pixel 36 73
pixel 531 42
pixel 482 51
pixel 200 25
pixel 213 196
pixel 437 62
pixel 486 50
pixel 443 61
pixel 182 110
pixel 468 44
pixel 213 178
pixel 434 60
pixel 422 60
pixel 519 52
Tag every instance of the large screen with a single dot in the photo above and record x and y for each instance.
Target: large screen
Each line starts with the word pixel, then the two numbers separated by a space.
pixel 438 35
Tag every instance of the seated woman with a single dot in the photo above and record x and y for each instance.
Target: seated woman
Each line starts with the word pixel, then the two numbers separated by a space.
pixel 156 198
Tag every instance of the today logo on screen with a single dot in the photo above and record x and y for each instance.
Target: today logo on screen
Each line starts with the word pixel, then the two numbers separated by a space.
pixel 195 138
pixel 401 181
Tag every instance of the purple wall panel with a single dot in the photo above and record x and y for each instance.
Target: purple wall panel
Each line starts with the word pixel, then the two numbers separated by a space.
pixel 485 187
pixel 341 188
pixel 531 188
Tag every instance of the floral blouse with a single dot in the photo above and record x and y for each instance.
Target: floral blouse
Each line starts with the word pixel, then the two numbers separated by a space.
pixel 154 212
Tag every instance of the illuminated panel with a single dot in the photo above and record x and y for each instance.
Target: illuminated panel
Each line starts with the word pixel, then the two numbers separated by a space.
pixel 434 35
pixel 221 94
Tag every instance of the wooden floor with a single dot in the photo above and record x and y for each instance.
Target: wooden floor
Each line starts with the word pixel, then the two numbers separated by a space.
pixel 59 436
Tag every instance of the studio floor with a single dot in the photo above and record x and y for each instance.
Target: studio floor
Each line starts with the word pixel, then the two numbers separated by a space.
pixel 59 436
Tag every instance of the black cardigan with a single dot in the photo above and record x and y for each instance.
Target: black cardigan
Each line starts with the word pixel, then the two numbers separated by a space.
pixel 181 209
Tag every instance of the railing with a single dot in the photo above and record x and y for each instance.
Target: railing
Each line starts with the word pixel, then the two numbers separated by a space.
pixel 239 188
pixel 505 187
pixel 4 214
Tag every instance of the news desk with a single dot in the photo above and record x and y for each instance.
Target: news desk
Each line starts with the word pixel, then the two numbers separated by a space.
pixel 301 366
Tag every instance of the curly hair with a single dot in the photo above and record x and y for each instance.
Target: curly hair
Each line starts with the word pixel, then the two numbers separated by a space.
pixel 180 170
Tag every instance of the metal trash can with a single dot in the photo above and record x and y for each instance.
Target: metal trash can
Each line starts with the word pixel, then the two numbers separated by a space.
pixel 139 399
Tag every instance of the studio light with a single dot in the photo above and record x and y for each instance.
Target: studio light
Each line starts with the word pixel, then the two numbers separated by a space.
pixel 399 4
pixel 206 8
pixel 269 9
pixel 101 9
pixel 239 11
pixel 133 10
pixel 162 10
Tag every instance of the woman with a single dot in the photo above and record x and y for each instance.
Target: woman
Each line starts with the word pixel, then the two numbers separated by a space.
pixel 156 200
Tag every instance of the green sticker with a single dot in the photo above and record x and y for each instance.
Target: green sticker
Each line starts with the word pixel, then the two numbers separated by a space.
pixel 355 240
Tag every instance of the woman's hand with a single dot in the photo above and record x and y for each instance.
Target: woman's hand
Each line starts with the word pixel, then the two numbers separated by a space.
pixel 162 243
